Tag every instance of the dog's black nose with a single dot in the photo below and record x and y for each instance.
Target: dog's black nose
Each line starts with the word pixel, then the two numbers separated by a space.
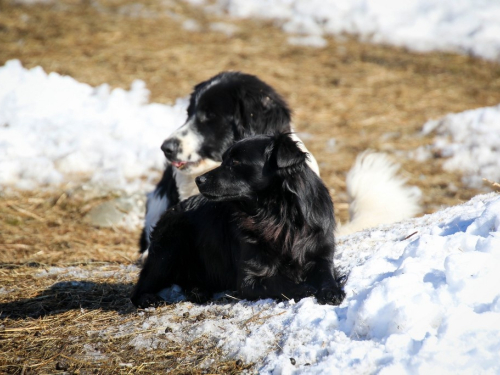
pixel 170 147
pixel 200 180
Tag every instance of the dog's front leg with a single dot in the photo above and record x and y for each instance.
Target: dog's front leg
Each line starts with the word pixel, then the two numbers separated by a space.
pixel 155 276
pixel 322 276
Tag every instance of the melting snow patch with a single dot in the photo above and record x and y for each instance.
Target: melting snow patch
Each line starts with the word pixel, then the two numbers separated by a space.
pixel 470 141
pixel 469 27
pixel 54 129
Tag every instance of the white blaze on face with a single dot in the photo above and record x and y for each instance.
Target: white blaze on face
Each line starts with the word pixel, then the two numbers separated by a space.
pixel 188 160
pixel 189 142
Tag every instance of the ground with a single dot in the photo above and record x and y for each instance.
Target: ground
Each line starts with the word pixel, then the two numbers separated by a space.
pixel 361 95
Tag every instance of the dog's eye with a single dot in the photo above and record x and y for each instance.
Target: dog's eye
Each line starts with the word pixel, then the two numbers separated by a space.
pixel 234 163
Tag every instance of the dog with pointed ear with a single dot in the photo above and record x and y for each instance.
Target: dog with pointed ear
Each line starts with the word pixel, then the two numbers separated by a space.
pixel 287 153
pixel 284 217
pixel 264 226
pixel 253 168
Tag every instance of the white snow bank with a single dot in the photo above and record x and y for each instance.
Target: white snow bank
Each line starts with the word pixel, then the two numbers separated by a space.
pixel 54 129
pixel 423 296
pixel 466 26
pixel 471 142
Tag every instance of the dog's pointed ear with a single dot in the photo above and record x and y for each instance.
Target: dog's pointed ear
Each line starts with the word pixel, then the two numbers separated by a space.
pixel 288 153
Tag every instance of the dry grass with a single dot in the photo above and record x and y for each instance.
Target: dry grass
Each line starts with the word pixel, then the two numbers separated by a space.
pixel 362 95
pixel 58 319
pixel 44 228
pixel 52 320
pixel 64 326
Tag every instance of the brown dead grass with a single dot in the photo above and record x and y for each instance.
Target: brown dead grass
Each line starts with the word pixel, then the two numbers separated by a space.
pixel 362 95
pixel 56 322
pixel 44 228
pixel 66 326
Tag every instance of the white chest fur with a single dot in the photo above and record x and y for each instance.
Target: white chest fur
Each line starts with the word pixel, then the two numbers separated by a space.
pixel 185 182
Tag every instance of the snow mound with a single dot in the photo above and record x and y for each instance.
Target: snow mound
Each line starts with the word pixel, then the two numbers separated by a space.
pixel 54 129
pixel 464 26
pixel 423 296
pixel 471 142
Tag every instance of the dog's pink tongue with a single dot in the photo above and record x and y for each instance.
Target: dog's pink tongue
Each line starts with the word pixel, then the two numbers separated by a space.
pixel 178 164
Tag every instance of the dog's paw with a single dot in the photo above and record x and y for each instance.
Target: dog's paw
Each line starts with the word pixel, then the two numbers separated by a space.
pixel 303 291
pixel 330 295
pixel 147 300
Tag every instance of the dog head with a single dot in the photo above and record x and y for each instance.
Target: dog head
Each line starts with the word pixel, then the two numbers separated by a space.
pixel 253 166
pixel 223 110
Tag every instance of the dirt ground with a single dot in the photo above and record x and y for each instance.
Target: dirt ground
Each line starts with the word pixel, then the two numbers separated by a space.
pixel 361 95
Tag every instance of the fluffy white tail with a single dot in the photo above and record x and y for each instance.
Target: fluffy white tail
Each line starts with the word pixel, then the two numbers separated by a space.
pixel 377 194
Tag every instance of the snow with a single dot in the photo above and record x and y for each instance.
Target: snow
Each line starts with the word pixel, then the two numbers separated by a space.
pixel 54 129
pixel 470 141
pixel 464 26
pixel 423 296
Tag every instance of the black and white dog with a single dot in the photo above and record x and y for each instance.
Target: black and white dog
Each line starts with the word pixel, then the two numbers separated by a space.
pixel 222 110
pixel 232 106
pixel 264 226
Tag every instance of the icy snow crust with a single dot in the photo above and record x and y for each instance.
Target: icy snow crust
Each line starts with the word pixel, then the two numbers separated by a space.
pixel 54 129
pixel 423 296
pixel 471 142
pixel 464 26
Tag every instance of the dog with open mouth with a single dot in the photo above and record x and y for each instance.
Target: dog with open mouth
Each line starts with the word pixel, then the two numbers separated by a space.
pixel 263 226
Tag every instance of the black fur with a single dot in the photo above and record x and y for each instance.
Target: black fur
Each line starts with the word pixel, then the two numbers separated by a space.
pixel 263 226
pixel 224 109
pixel 232 106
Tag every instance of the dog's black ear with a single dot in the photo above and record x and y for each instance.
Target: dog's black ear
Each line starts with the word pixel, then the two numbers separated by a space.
pixel 288 153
